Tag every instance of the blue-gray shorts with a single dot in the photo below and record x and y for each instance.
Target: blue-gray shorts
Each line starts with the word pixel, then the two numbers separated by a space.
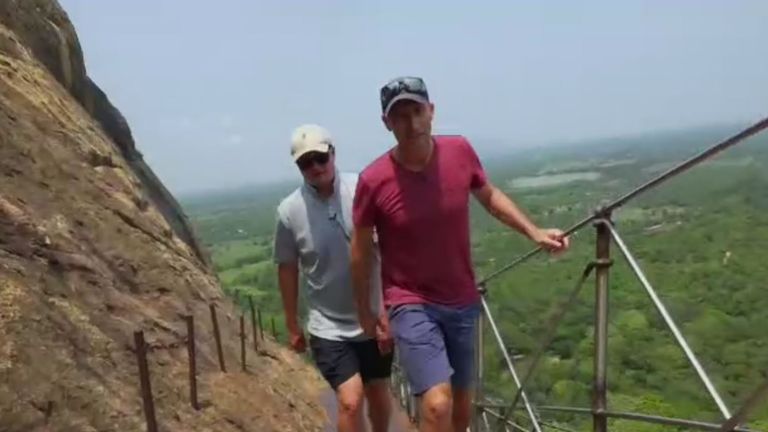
pixel 435 344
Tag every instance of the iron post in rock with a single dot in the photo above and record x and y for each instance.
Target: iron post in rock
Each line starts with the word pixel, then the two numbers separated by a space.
pixel 146 385
pixel 261 325
pixel 217 336
pixel 253 324
pixel 274 329
pixel 191 352
pixel 242 341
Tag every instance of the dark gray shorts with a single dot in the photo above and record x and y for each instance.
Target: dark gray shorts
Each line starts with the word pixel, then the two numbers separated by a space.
pixel 435 344
pixel 339 361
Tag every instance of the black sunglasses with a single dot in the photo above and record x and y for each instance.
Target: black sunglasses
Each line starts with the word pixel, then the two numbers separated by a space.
pixel 401 85
pixel 308 160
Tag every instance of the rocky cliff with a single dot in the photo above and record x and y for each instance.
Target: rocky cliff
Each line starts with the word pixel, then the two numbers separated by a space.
pixel 42 27
pixel 92 248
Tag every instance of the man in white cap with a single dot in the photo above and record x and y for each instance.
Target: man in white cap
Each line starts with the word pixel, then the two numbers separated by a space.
pixel 313 231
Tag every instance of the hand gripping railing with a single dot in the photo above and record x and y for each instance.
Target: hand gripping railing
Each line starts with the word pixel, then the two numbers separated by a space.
pixel 487 414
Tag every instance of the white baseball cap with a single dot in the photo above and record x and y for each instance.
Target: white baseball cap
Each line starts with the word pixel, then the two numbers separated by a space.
pixel 308 138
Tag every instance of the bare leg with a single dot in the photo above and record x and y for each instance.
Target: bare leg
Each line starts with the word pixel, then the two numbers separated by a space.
pixel 379 404
pixel 436 409
pixel 462 408
pixel 350 400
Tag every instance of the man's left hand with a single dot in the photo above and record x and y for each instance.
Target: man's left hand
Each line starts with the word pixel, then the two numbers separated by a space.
pixel 552 240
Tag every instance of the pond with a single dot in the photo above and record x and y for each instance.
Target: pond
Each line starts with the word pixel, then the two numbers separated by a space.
pixel 553 179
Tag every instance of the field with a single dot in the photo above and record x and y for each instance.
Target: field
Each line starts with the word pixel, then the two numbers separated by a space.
pixel 700 238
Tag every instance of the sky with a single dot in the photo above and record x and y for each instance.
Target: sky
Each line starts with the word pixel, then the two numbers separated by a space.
pixel 212 90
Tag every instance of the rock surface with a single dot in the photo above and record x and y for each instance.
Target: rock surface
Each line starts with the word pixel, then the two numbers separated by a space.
pixel 40 28
pixel 93 248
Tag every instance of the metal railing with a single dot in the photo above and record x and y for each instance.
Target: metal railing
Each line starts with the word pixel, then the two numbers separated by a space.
pixel 490 416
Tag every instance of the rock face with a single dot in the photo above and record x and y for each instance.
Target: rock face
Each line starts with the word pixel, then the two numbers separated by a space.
pixel 92 248
pixel 44 28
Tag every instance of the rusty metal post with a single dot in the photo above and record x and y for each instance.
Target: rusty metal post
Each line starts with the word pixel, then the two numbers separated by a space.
pixel 253 324
pixel 217 336
pixel 478 366
pixel 146 385
pixel 191 352
pixel 274 329
pixel 752 402
pixel 261 325
pixel 242 341
pixel 603 255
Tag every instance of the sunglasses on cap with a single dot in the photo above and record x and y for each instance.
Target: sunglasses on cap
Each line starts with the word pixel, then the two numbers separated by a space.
pixel 402 85
pixel 308 160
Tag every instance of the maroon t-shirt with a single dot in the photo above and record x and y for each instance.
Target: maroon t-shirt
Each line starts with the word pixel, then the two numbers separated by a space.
pixel 422 223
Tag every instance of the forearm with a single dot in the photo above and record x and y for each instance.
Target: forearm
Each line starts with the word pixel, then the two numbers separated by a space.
pixel 500 206
pixel 361 283
pixel 289 291
pixel 379 293
pixel 360 261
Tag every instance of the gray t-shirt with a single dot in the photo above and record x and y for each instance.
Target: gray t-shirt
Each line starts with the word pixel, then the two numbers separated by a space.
pixel 315 232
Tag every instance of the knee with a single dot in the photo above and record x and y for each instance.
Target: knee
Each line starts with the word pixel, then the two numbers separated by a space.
pixel 437 406
pixel 350 403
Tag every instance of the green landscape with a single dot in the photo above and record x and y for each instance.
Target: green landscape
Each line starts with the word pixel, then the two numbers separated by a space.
pixel 700 238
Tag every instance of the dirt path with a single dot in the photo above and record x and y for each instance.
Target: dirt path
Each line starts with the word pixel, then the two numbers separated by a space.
pixel 398 423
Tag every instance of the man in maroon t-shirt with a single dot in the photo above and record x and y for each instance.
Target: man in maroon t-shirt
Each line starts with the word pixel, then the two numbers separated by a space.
pixel 416 198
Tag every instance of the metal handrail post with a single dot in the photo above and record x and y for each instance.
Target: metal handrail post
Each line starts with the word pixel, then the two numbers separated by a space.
pixel 599 391
pixel 552 324
pixel 511 366
pixel 478 372
pixel 751 403
pixel 668 320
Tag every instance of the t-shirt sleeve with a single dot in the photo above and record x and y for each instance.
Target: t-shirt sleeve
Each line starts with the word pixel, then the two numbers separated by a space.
pixel 364 205
pixel 285 248
pixel 477 177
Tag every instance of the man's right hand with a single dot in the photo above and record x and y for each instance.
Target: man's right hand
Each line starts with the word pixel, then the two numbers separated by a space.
pixel 384 335
pixel 368 321
pixel 288 279
pixel 297 341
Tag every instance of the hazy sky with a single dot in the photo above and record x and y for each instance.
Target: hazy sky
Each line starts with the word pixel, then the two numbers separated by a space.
pixel 212 90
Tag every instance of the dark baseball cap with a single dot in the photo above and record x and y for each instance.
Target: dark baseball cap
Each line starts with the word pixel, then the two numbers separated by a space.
pixel 403 88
